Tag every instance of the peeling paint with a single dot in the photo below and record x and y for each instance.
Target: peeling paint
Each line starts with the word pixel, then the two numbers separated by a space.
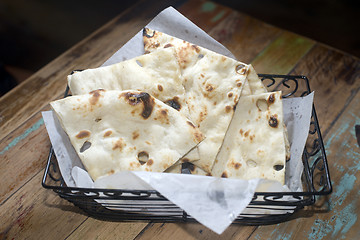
pixel 218 16
pixel 16 140
pixel 345 185
pixel 208 7
pixel 345 219
pixel 319 230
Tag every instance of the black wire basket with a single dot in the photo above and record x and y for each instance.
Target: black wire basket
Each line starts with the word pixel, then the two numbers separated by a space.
pixel 265 207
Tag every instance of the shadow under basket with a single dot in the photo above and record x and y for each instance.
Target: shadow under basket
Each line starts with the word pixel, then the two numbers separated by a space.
pixel 265 207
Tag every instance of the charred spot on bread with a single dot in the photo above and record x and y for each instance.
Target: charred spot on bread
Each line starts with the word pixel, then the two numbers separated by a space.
pixel 271 99
pixel 273 122
pixel 224 174
pixel 146 32
pixel 142 97
pixel 209 87
pixel 174 103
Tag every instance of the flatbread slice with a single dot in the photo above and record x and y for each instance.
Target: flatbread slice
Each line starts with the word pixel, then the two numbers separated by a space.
pixel 254 146
pixel 257 87
pixel 255 84
pixel 213 84
pixel 113 131
pixel 157 73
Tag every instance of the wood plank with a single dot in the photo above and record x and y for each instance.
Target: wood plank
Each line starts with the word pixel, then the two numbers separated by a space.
pixel 205 14
pixel 37 213
pixel 281 55
pixel 244 36
pixel 87 230
pixel 334 77
pixel 192 231
pixel 28 147
pixel 335 216
pixel 33 94
pixel 96 229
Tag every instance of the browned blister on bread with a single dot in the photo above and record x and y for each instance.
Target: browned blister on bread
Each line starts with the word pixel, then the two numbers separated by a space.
pixel 213 84
pixel 157 73
pixel 254 146
pixel 114 131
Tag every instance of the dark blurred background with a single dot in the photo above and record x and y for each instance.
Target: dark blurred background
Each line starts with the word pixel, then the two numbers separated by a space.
pixel 34 32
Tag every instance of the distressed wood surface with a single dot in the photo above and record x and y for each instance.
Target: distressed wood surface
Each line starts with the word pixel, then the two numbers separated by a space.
pixel 50 81
pixel 29 211
pixel 335 216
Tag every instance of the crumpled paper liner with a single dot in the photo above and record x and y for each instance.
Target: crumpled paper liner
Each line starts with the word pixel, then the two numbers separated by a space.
pixel 214 202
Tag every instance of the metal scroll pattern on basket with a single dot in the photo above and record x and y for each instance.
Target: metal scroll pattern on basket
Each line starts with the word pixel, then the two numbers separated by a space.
pixel 314 157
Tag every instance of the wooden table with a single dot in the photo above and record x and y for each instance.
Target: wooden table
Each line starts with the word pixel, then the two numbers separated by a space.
pixel 28 210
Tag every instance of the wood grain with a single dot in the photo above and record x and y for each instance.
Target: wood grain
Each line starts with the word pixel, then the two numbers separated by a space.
pixel 192 231
pixel 96 229
pixel 37 91
pixel 204 14
pixel 333 217
pixel 22 155
pixel 29 211
pixel 281 55
pixel 334 77
pixel 37 213
pixel 244 36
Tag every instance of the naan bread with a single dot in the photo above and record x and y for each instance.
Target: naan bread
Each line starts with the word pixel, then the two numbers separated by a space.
pixel 255 84
pixel 257 87
pixel 254 145
pixel 213 84
pixel 113 131
pixel 157 73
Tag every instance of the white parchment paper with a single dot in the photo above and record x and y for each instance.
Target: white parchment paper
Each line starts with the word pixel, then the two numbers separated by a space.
pixel 214 202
